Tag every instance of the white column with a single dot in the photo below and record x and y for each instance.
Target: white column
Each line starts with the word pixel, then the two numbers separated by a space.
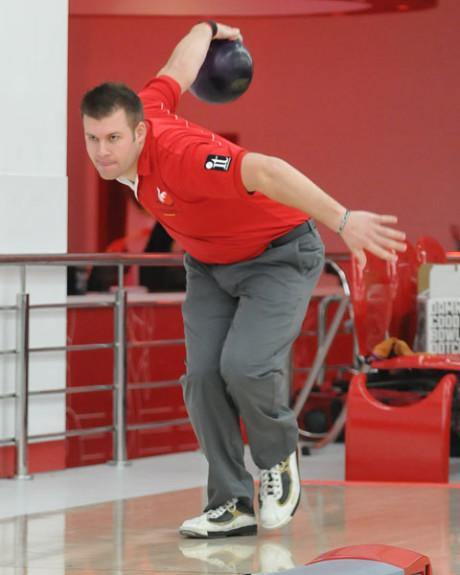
pixel 33 193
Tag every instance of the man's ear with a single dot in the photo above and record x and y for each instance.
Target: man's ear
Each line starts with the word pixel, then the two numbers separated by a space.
pixel 140 131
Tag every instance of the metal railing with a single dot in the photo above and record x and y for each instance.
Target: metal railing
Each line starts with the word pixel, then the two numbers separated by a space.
pixel 120 346
pixel 325 339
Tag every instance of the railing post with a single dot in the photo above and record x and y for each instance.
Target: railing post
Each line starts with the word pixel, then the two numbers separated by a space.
pixel 322 309
pixel 120 373
pixel 22 385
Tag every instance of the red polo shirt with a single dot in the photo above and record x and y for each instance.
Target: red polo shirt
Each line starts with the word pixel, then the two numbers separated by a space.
pixel 190 181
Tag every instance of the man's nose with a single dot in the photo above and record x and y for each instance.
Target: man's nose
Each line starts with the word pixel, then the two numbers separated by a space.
pixel 102 149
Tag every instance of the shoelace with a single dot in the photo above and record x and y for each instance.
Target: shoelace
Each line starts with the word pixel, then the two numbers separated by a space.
pixel 219 511
pixel 270 482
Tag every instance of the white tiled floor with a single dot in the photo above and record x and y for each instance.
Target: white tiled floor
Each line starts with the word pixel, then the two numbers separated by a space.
pixel 147 476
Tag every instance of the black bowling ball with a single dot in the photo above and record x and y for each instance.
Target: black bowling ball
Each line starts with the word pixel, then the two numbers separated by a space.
pixel 225 74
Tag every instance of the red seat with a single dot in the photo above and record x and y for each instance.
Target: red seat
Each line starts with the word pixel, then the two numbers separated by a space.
pixel 429 250
pixel 373 290
pixel 403 443
pixel 403 321
pixel 388 442
pixel 384 298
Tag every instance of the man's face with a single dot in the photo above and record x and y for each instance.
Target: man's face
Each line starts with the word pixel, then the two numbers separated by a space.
pixel 112 145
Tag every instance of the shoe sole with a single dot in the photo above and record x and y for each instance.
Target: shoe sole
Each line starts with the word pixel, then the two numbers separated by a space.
pixel 247 530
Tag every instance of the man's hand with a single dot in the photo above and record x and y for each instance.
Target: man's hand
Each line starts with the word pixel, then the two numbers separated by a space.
pixel 373 232
pixel 189 54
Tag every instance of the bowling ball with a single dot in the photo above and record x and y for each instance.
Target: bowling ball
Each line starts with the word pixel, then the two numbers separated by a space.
pixel 225 74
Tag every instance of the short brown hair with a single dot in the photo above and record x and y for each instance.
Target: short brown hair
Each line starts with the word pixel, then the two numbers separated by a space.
pixel 106 98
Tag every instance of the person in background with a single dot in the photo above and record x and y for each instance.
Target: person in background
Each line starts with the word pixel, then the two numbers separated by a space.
pixel 161 278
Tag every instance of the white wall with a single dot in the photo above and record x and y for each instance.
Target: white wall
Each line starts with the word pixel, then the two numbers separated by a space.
pixel 33 193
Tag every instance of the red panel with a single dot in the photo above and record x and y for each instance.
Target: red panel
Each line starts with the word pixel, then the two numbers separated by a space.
pixel 408 443
pixel 147 364
pixel 166 363
pixel 7 461
pixel 47 456
pixel 88 368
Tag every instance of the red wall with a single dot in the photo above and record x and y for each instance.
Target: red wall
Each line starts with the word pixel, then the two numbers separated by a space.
pixel 367 106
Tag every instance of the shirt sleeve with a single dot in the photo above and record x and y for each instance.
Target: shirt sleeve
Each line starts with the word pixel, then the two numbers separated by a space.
pixel 161 93
pixel 205 167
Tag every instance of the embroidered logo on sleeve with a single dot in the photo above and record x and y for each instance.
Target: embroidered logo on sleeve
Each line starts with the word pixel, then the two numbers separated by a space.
pixel 221 163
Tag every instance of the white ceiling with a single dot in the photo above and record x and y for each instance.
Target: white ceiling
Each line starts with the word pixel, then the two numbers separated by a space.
pixel 216 7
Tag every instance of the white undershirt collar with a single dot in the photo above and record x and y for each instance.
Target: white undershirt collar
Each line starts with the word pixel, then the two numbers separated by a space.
pixel 133 185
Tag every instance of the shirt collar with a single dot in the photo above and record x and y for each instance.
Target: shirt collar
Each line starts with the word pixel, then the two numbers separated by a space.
pixel 133 185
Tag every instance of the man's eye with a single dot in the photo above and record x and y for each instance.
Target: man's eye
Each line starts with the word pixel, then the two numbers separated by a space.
pixel 114 137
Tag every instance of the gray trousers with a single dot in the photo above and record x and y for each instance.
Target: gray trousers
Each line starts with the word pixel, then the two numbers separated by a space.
pixel 240 322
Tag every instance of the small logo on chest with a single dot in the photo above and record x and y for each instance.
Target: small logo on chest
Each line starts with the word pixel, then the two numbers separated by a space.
pixel 164 198
pixel 221 163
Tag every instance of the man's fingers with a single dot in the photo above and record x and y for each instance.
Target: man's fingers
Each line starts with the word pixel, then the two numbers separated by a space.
pixel 361 257
pixel 390 244
pixel 391 233
pixel 235 34
pixel 387 219
pixel 383 253
pixel 228 33
pixel 374 233
pixel 389 238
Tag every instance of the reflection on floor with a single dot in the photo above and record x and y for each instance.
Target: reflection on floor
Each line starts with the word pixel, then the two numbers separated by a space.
pixel 103 520
pixel 139 535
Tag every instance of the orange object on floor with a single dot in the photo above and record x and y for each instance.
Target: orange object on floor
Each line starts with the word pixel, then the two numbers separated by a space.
pixel 398 443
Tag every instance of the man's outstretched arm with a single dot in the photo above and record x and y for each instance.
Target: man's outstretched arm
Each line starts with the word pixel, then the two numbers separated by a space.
pixel 189 54
pixel 360 230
